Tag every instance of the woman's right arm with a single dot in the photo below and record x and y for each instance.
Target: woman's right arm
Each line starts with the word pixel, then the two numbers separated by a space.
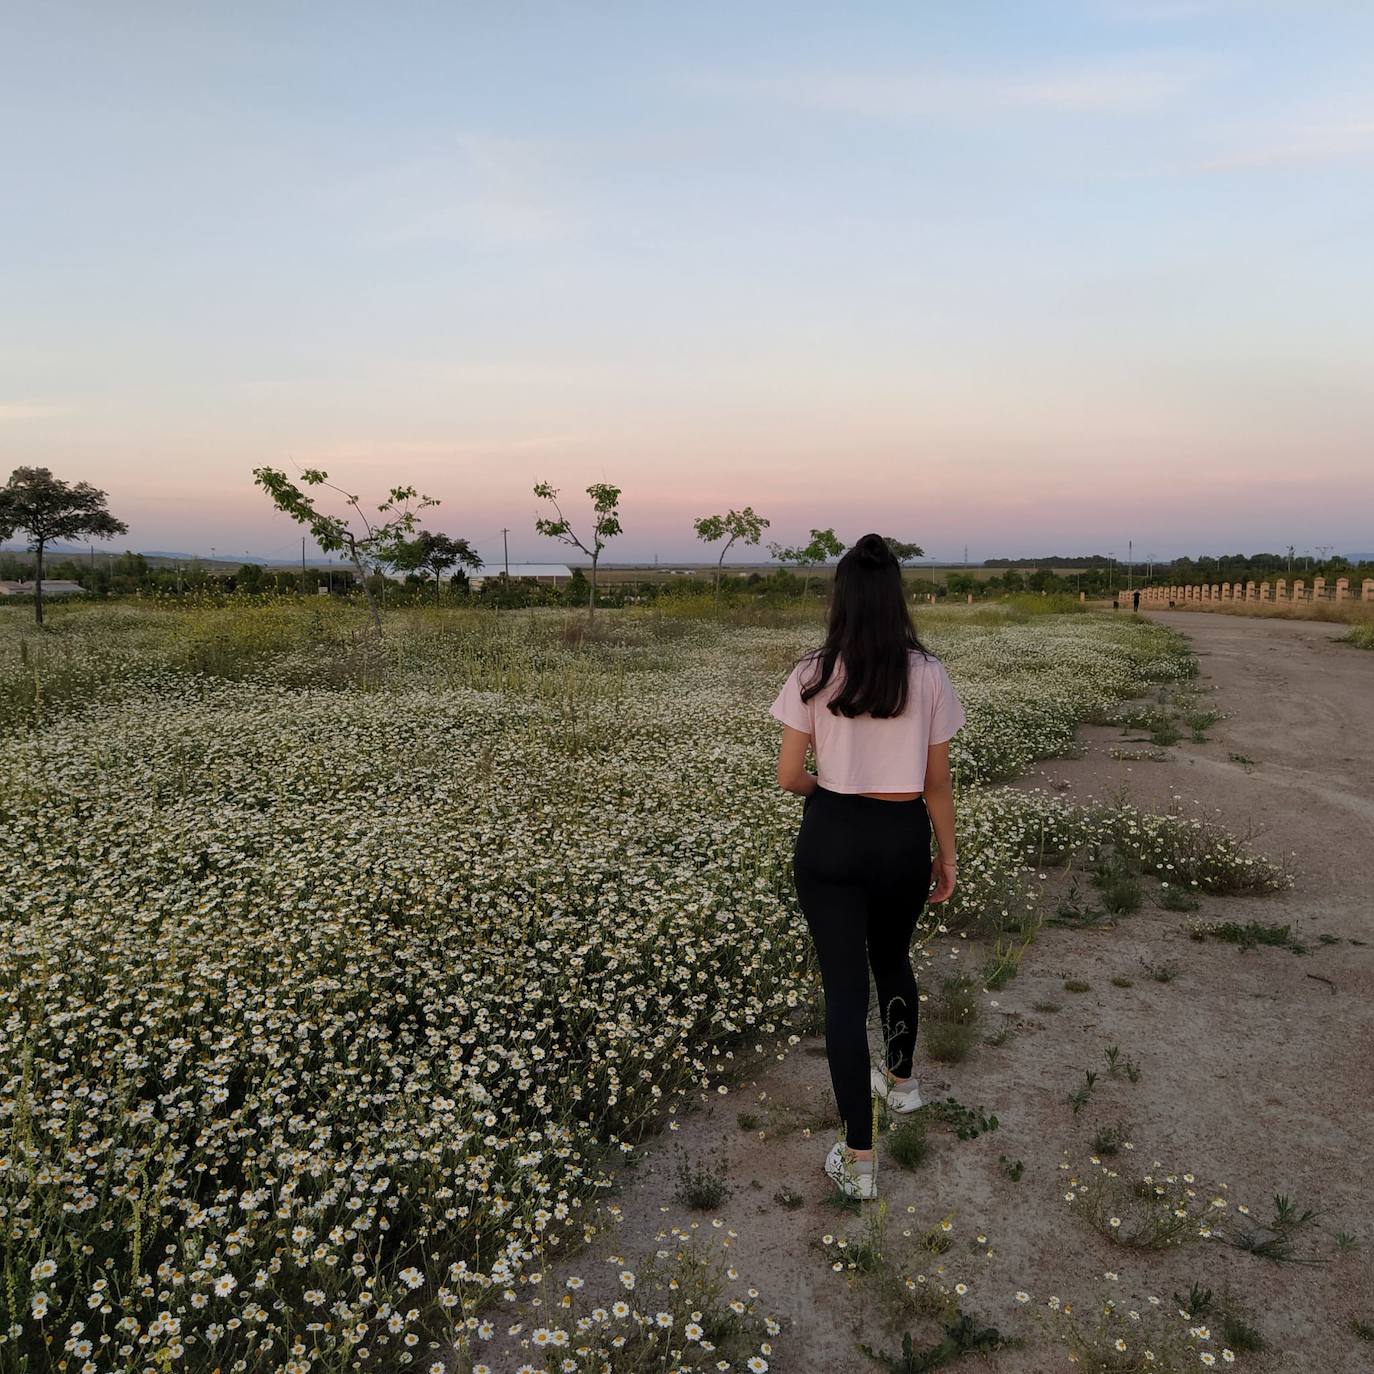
pixel 940 806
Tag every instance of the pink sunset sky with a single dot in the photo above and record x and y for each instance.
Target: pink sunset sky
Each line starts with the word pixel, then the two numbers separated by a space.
pixel 1034 281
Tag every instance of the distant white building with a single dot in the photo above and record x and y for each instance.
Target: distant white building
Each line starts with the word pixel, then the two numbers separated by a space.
pixel 56 587
pixel 549 574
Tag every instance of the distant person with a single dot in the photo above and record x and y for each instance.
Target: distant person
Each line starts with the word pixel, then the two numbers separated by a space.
pixel 879 710
pixel 1135 601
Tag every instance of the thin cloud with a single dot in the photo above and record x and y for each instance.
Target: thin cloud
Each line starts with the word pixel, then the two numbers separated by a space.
pixel 436 448
pixel 1315 144
pixel 488 191
pixel 19 410
pixel 1109 86
pixel 1174 11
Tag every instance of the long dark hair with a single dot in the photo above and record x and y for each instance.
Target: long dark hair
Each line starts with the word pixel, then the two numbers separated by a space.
pixel 870 632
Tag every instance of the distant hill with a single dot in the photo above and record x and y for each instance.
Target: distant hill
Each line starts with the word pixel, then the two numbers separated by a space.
pixel 175 556
pixel 58 552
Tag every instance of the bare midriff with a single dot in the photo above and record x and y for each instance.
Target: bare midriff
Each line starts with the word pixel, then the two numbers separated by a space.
pixel 892 796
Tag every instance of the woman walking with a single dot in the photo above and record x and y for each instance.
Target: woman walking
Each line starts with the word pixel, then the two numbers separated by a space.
pixel 879 711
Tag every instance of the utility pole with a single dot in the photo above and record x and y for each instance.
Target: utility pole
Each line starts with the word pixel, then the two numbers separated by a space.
pixel 1130 554
pixel 505 547
pixel 966 555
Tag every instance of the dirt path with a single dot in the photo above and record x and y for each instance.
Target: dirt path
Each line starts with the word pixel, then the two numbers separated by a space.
pixel 1256 1068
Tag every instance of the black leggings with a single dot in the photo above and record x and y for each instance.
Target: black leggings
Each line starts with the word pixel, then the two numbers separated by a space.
pixel 862 869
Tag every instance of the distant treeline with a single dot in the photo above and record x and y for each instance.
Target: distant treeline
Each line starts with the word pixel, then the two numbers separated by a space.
pixel 132 574
pixel 1230 567
pixel 1058 560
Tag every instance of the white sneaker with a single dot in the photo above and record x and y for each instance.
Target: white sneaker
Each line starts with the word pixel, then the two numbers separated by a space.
pixel 901 1098
pixel 854 1177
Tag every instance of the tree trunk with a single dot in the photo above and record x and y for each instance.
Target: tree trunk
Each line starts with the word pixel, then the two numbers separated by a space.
pixel 38 582
pixel 367 592
pixel 719 562
pixel 591 596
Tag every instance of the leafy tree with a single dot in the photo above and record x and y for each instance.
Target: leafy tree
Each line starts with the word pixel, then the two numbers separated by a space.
pixel 577 587
pixel 249 578
pixel 434 555
pixel 367 545
pixel 823 545
pixel 904 553
pixel 605 525
pixel 739 524
pixel 48 509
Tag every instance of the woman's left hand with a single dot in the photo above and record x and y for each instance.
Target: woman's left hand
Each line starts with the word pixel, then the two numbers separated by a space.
pixel 943 875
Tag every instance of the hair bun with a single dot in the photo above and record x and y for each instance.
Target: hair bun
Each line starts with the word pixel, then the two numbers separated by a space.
pixel 872 550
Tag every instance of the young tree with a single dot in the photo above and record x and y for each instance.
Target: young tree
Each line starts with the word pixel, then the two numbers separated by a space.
pixel 903 553
pixel 249 578
pixel 48 509
pixel 370 544
pixel 823 545
pixel 434 554
pixel 739 524
pixel 605 525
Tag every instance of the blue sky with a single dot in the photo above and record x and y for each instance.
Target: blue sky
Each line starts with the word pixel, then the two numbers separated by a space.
pixel 1031 277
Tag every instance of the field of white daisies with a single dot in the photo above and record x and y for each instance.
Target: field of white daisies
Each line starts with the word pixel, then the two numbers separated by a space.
pixel 333 973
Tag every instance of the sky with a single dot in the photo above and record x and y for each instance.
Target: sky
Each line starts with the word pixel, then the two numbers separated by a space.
pixel 1027 277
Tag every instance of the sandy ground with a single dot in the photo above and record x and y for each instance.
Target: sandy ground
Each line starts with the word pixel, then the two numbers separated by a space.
pixel 1256 1068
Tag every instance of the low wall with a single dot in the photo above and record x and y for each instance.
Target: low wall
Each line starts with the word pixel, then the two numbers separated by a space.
pixel 1280 592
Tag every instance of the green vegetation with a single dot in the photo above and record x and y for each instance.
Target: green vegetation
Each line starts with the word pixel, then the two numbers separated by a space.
pixel 360 939
pixel 951 1020
pixel 700 1185
pixel 1248 935
pixel 968 1122
pixel 907 1143
pixel 963 1336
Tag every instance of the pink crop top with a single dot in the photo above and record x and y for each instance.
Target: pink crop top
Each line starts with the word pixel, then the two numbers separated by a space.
pixel 866 753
